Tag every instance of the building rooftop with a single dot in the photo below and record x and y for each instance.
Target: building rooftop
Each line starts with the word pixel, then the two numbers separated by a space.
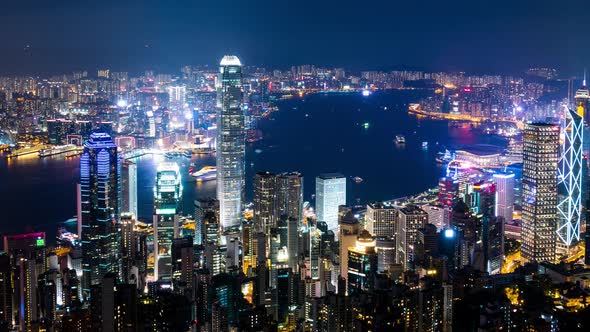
pixel 230 60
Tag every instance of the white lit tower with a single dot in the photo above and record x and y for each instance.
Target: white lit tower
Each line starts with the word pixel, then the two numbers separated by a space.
pixel 230 142
pixel 167 206
pixel 539 191
pixel 570 179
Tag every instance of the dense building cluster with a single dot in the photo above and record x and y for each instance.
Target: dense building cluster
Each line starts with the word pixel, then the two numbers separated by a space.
pixel 443 263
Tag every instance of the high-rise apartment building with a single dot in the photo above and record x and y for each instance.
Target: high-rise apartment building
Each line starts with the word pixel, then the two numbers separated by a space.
pixel 539 191
pixel 330 193
pixel 230 142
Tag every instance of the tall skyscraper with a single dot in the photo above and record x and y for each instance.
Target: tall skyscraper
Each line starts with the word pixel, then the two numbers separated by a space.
pixel 100 172
pixel 290 195
pixel 570 180
pixel 330 192
pixel 539 191
pixel 129 187
pixel 230 142
pixel 265 198
pixel 167 206
pixel 504 196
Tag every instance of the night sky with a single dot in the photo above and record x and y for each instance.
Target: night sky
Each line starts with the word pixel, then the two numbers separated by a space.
pixel 475 36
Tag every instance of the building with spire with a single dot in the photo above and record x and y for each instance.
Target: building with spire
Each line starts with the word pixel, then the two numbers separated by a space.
pixel 100 173
pixel 230 142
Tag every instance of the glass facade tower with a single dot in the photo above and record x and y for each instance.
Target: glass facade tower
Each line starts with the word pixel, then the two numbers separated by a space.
pixel 570 179
pixel 330 193
pixel 539 191
pixel 167 205
pixel 100 170
pixel 230 142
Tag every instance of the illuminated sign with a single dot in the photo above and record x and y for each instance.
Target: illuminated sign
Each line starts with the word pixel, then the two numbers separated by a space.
pixel 40 242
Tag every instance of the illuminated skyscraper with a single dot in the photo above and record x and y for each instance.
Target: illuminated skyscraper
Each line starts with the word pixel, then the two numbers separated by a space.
pixel 290 195
pixel 570 179
pixel 362 264
pixel 504 196
pixel 167 201
pixel 100 201
pixel 129 187
pixel 265 198
pixel 539 191
pixel 330 193
pixel 230 142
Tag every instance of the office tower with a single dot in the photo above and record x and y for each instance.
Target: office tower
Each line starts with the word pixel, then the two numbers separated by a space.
pixel 504 196
pixel 437 215
pixel 26 275
pixel 230 142
pixel 6 289
pixel 293 243
pixel 182 264
pixel 362 264
pixel 349 231
pixel 582 101
pixel 539 191
pixel 206 220
pixel 100 180
pixel 290 195
pixel 380 220
pixel 385 254
pixel 265 189
pixel 128 245
pixel 314 247
pixel 569 184
pixel 330 193
pixel 129 187
pixel 167 206
pixel 410 219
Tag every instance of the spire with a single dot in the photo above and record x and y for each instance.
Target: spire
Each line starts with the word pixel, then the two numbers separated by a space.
pixel 584 81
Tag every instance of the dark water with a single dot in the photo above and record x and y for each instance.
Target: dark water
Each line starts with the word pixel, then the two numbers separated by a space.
pixel 322 133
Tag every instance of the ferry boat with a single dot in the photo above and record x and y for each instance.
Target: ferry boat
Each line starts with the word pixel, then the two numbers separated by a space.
pixel 400 139
pixel 206 173
pixel 57 150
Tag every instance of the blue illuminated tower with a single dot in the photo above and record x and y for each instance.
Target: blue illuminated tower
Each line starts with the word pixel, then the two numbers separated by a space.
pixel 100 171
pixel 570 179
pixel 231 142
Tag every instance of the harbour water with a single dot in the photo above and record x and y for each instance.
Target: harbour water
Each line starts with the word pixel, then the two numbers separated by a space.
pixel 347 133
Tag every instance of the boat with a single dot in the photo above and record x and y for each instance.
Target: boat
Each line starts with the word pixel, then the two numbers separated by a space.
pixel 400 139
pixel 58 150
pixel 206 173
pixel 357 179
pixel 424 145
pixel 253 135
